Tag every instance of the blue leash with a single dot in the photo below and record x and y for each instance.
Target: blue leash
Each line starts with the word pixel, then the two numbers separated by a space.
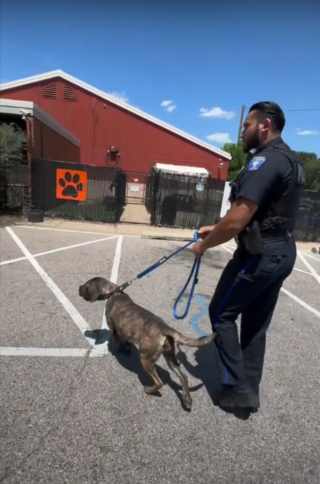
pixel 164 259
pixel 195 269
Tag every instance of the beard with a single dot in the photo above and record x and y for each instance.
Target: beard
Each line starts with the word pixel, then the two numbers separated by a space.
pixel 253 142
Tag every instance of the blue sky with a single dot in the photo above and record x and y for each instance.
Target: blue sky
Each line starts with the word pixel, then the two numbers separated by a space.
pixel 204 55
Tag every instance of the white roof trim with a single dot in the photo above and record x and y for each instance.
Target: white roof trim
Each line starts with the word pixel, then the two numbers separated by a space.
pixel 187 170
pixel 21 108
pixel 109 98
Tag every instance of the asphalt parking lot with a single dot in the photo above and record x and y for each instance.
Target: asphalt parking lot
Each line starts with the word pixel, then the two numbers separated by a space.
pixel 73 411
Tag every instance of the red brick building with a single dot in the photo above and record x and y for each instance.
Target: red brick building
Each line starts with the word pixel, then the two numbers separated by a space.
pixel 112 132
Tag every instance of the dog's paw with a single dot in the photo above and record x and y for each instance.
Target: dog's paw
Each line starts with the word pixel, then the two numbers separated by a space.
pixel 151 391
pixel 187 400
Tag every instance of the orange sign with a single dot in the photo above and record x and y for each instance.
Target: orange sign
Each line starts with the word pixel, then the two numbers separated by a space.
pixel 71 185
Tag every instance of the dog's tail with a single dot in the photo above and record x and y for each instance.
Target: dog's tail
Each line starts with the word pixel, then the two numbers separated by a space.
pixel 182 340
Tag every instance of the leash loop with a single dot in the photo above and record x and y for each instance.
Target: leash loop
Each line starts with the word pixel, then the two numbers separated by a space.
pixel 195 270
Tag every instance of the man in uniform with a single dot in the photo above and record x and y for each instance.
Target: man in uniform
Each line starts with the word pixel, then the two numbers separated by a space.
pixel 265 199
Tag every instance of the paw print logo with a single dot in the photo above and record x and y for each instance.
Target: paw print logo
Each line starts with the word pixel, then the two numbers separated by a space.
pixel 71 184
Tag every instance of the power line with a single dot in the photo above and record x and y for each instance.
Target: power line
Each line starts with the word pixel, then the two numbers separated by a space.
pixel 308 109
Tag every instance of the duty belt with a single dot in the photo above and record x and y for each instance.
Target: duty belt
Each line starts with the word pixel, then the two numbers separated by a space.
pixel 276 236
pixel 253 239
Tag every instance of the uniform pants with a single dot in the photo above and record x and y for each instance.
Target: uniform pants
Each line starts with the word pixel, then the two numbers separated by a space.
pixel 250 286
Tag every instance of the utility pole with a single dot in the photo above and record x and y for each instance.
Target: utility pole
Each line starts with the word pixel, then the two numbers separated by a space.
pixel 241 121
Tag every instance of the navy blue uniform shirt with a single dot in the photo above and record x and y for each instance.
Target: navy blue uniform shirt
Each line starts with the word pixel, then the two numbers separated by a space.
pixel 265 177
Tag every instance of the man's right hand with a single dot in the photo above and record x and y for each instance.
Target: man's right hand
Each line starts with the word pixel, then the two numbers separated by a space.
pixel 204 231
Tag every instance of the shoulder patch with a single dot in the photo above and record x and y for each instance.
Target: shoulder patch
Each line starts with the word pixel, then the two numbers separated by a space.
pixel 256 162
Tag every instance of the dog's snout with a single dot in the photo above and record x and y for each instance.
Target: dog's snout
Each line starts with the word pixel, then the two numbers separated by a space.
pixel 82 290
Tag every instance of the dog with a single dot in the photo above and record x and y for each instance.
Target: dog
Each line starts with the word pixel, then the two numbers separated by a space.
pixel 130 323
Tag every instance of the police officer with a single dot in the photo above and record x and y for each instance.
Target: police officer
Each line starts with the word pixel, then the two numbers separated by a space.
pixel 265 199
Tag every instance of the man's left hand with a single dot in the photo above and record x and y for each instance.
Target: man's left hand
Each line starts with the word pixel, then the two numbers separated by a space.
pixel 198 249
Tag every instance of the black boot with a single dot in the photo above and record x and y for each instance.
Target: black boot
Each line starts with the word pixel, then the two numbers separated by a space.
pixel 239 396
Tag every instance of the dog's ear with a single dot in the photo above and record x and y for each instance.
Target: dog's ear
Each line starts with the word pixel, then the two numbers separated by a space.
pixel 94 295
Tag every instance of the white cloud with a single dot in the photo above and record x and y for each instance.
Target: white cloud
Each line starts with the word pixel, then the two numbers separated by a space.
pixel 307 132
pixel 119 96
pixel 216 113
pixel 219 138
pixel 168 105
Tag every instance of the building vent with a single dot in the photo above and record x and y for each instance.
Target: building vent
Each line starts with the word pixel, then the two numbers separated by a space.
pixel 69 94
pixel 50 91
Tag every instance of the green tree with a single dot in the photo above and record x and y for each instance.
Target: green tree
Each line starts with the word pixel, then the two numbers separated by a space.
pixel 13 142
pixel 306 157
pixel 238 158
pixel 312 169
pixel 310 161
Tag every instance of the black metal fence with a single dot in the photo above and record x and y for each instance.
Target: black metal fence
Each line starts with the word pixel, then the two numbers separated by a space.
pixel 14 196
pixel 186 201
pixel 112 195
pixel 308 221
pixel 157 198
pixel 100 203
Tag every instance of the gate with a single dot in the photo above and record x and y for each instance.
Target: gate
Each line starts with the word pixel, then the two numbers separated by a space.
pixel 74 191
pixel 136 202
pixel 186 200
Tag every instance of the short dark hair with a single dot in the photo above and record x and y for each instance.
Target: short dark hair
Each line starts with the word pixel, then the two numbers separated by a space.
pixel 270 110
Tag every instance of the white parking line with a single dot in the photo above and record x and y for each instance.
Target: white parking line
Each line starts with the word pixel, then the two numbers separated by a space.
pixel 116 261
pixel 11 261
pixel 302 303
pixel 49 352
pixel 103 348
pixel 288 293
pixel 311 256
pixel 72 231
pixel 304 272
pixel 231 246
pixel 309 266
pixel 64 301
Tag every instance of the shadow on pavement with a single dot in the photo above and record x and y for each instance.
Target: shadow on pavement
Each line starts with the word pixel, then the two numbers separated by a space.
pixel 129 359
pixel 206 370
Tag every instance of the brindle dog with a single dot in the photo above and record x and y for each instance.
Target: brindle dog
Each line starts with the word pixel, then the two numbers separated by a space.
pixel 130 323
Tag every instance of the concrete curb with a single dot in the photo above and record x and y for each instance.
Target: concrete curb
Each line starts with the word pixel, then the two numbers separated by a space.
pixel 188 238
pixel 150 235
pixel 132 230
